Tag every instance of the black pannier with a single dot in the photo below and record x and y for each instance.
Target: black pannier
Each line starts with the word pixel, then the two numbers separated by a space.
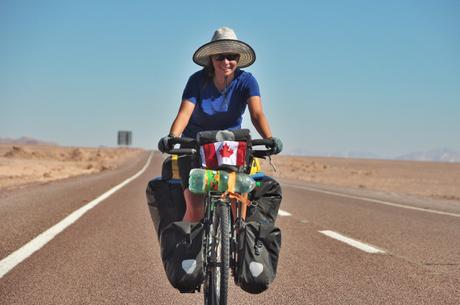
pixel 259 247
pixel 166 202
pixel 181 253
pixel 180 242
pixel 266 200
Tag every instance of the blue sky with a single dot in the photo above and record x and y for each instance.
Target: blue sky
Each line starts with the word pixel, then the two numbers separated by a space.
pixel 335 76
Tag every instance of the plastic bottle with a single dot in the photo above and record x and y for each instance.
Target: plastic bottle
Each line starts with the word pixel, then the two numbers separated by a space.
pixel 244 183
pixel 203 180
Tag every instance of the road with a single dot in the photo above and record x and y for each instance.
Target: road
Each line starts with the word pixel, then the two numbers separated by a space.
pixel 110 255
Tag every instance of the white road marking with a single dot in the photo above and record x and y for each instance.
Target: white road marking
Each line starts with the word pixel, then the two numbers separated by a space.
pixel 354 243
pixel 38 242
pixel 372 200
pixel 283 213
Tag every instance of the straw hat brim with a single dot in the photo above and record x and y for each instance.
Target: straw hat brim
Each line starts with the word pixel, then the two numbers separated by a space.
pixel 247 54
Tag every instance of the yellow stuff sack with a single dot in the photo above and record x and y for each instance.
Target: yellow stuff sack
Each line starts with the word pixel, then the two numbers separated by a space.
pixel 170 169
pixel 255 166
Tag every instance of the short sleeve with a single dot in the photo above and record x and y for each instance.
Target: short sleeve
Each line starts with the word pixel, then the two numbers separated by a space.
pixel 192 89
pixel 251 86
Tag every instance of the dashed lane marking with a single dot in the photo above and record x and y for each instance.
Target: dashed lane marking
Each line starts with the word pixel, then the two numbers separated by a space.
pixel 283 213
pixel 38 242
pixel 354 243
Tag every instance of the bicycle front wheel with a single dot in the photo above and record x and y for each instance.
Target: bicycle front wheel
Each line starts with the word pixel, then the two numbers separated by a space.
pixel 217 278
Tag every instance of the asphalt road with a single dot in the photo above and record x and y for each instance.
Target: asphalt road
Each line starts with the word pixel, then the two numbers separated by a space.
pixel 111 256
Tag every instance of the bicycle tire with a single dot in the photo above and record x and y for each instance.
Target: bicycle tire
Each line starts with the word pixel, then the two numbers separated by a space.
pixel 216 292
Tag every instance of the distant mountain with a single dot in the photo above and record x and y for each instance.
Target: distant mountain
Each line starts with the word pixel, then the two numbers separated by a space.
pixel 25 141
pixel 354 155
pixel 345 154
pixel 435 155
pixel 440 155
pixel 298 152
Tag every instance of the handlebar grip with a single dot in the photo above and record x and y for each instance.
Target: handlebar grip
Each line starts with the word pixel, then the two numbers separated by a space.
pixel 189 148
pixel 178 140
pixel 183 151
pixel 266 142
pixel 261 153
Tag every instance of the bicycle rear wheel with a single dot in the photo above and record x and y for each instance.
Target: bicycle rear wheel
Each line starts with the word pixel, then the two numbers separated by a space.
pixel 217 276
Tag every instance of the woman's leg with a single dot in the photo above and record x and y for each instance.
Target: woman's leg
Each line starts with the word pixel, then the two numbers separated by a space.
pixel 194 206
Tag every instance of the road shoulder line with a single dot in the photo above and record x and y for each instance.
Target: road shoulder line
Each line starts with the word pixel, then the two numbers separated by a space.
pixel 15 258
pixel 371 200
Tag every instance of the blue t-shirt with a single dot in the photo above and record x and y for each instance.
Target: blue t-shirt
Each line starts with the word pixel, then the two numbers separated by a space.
pixel 215 110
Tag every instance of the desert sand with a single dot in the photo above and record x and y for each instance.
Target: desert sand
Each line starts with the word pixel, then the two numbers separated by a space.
pixel 23 164
pixel 435 180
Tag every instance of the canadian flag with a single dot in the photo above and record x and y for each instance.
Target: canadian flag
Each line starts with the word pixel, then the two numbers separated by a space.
pixel 216 154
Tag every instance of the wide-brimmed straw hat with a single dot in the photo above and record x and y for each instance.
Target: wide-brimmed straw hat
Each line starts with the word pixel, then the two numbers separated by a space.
pixel 224 40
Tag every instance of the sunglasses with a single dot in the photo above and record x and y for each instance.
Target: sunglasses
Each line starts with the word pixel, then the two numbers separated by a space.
pixel 229 57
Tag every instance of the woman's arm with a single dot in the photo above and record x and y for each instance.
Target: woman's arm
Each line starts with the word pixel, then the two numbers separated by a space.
pixel 258 118
pixel 182 118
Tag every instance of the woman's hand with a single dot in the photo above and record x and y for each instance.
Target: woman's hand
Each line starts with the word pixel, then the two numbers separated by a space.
pixel 277 145
pixel 163 144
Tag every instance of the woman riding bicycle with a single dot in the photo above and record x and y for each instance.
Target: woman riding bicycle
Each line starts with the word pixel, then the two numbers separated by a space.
pixel 215 98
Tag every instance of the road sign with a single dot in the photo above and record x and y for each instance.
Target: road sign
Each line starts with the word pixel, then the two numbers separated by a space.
pixel 124 137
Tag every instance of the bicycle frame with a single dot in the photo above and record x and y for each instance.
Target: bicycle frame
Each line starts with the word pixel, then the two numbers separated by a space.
pixel 211 202
pixel 237 212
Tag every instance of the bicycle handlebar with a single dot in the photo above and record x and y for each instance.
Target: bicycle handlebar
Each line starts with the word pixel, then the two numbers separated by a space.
pixel 193 147
pixel 183 140
pixel 182 151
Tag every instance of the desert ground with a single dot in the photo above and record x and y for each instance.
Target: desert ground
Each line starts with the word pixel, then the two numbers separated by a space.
pixel 23 164
pixel 435 180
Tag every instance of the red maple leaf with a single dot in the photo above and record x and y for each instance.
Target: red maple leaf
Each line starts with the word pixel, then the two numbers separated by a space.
pixel 226 151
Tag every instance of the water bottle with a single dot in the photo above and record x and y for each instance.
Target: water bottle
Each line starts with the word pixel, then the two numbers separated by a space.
pixel 244 183
pixel 203 180
pixel 197 181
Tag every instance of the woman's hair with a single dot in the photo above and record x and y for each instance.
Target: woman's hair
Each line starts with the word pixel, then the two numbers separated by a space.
pixel 209 72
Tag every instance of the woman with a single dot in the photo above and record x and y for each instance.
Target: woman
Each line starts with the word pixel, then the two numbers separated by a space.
pixel 215 98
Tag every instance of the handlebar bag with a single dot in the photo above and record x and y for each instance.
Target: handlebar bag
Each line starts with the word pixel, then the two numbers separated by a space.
pixel 165 199
pixel 266 200
pixel 181 244
pixel 225 149
pixel 258 251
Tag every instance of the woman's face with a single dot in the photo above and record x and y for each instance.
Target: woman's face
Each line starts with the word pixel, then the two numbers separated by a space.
pixel 225 64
